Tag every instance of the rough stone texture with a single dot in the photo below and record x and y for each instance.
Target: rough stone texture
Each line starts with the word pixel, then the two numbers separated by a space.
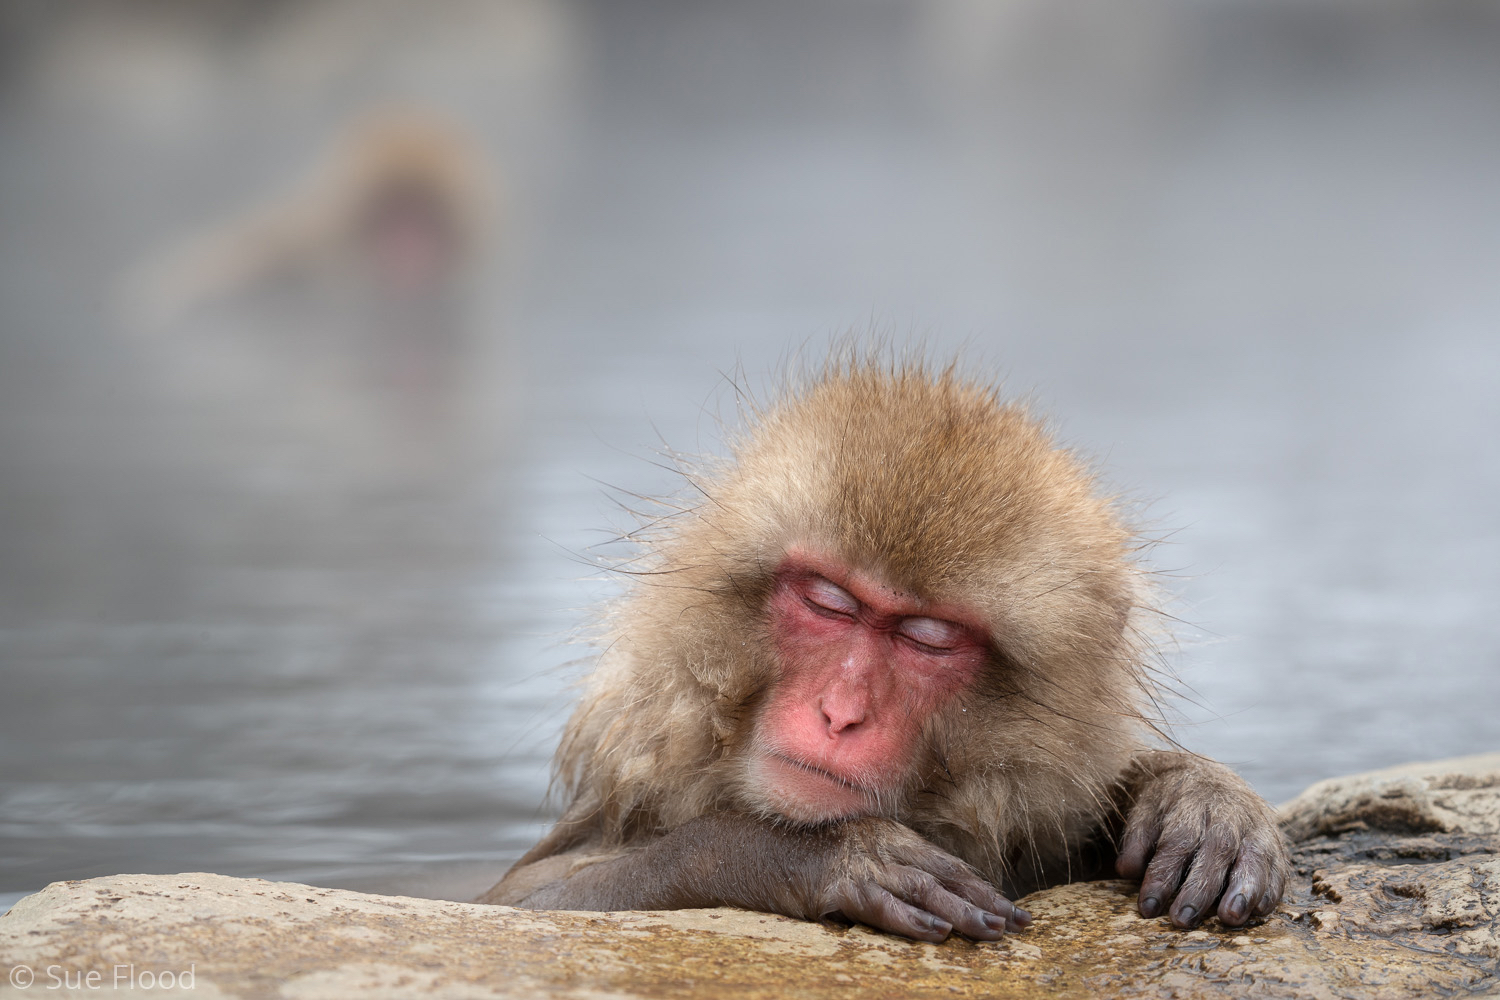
pixel 1456 796
pixel 1408 856
pixel 1398 896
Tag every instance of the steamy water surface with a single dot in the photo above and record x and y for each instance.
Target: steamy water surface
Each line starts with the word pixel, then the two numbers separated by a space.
pixel 286 583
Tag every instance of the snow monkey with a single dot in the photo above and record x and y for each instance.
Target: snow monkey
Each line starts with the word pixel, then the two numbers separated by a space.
pixel 400 206
pixel 894 668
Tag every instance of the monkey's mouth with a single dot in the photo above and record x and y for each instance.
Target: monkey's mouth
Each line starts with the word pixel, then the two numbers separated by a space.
pixel 811 769
pixel 807 793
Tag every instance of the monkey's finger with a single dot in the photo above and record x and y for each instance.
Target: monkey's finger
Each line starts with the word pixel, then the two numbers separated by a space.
pixel 874 905
pixel 1279 869
pixel 1247 888
pixel 1141 835
pixel 1242 895
pixel 1164 875
pixel 1205 879
pixel 960 878
pixel 1256 885
pixel 1271 898
pixel 922 890
pixel 983 895
pixel 933 860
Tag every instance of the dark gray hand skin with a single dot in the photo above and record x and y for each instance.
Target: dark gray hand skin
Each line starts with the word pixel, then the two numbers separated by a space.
pixel 867 870
pixel 1201 842
pixel 1198 838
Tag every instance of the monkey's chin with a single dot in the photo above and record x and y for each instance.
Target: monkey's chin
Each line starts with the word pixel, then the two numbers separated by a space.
pixel 806 794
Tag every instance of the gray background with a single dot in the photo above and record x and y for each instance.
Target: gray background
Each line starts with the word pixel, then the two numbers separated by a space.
pixel 1243 254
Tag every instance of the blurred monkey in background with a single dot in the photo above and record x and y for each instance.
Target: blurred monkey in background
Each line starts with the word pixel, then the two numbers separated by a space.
pixel 400 207
pixel 351 313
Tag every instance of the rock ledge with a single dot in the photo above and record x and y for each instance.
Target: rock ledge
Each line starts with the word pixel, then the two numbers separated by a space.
pixel 1397 895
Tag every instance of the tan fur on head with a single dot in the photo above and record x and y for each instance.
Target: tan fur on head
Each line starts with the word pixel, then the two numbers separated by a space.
pixel 930 481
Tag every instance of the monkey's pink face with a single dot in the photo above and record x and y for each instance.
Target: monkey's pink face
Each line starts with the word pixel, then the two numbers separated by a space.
pixel 862 668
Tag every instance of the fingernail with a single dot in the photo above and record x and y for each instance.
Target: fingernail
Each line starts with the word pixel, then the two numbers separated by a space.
pixel 1150 906
pixel 1186 914
pixel 939 924
pixel 994 922
pixel 1238 906
pixel 1020 916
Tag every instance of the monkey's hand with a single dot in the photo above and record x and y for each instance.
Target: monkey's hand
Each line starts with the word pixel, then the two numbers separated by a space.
pixel 872 871
pixel 878 872
pixel 1199 838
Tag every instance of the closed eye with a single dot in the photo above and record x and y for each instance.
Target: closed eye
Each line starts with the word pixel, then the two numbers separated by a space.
pixel 827 596
pixel 933 634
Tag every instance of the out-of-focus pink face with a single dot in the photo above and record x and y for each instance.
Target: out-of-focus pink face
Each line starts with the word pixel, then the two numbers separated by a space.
pixel 409 240
pixel 862 667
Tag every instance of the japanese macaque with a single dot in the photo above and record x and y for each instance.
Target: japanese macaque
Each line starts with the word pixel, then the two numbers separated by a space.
pixel 346 314
pixel 893 669
pixel 397 208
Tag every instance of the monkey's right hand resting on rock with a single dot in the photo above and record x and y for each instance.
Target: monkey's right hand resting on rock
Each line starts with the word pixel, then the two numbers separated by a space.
pixel 868 870
pixel 893 667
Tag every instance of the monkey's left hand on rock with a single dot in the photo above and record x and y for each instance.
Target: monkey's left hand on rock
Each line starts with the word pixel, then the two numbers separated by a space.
pixel 1195 834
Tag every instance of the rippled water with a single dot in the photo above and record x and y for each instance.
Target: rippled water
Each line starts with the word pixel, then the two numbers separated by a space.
pixel 266 608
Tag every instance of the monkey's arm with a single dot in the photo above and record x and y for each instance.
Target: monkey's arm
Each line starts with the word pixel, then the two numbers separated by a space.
pixel 873 871
pixel 1195 831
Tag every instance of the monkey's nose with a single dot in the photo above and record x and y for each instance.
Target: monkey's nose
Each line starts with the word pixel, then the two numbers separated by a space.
pixel 840 714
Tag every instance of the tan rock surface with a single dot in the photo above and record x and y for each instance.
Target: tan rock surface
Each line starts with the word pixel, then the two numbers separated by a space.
pixel 1401 910
pixel 1460 795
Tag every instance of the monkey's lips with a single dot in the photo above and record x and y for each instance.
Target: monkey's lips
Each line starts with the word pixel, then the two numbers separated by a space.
pixel 807 793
